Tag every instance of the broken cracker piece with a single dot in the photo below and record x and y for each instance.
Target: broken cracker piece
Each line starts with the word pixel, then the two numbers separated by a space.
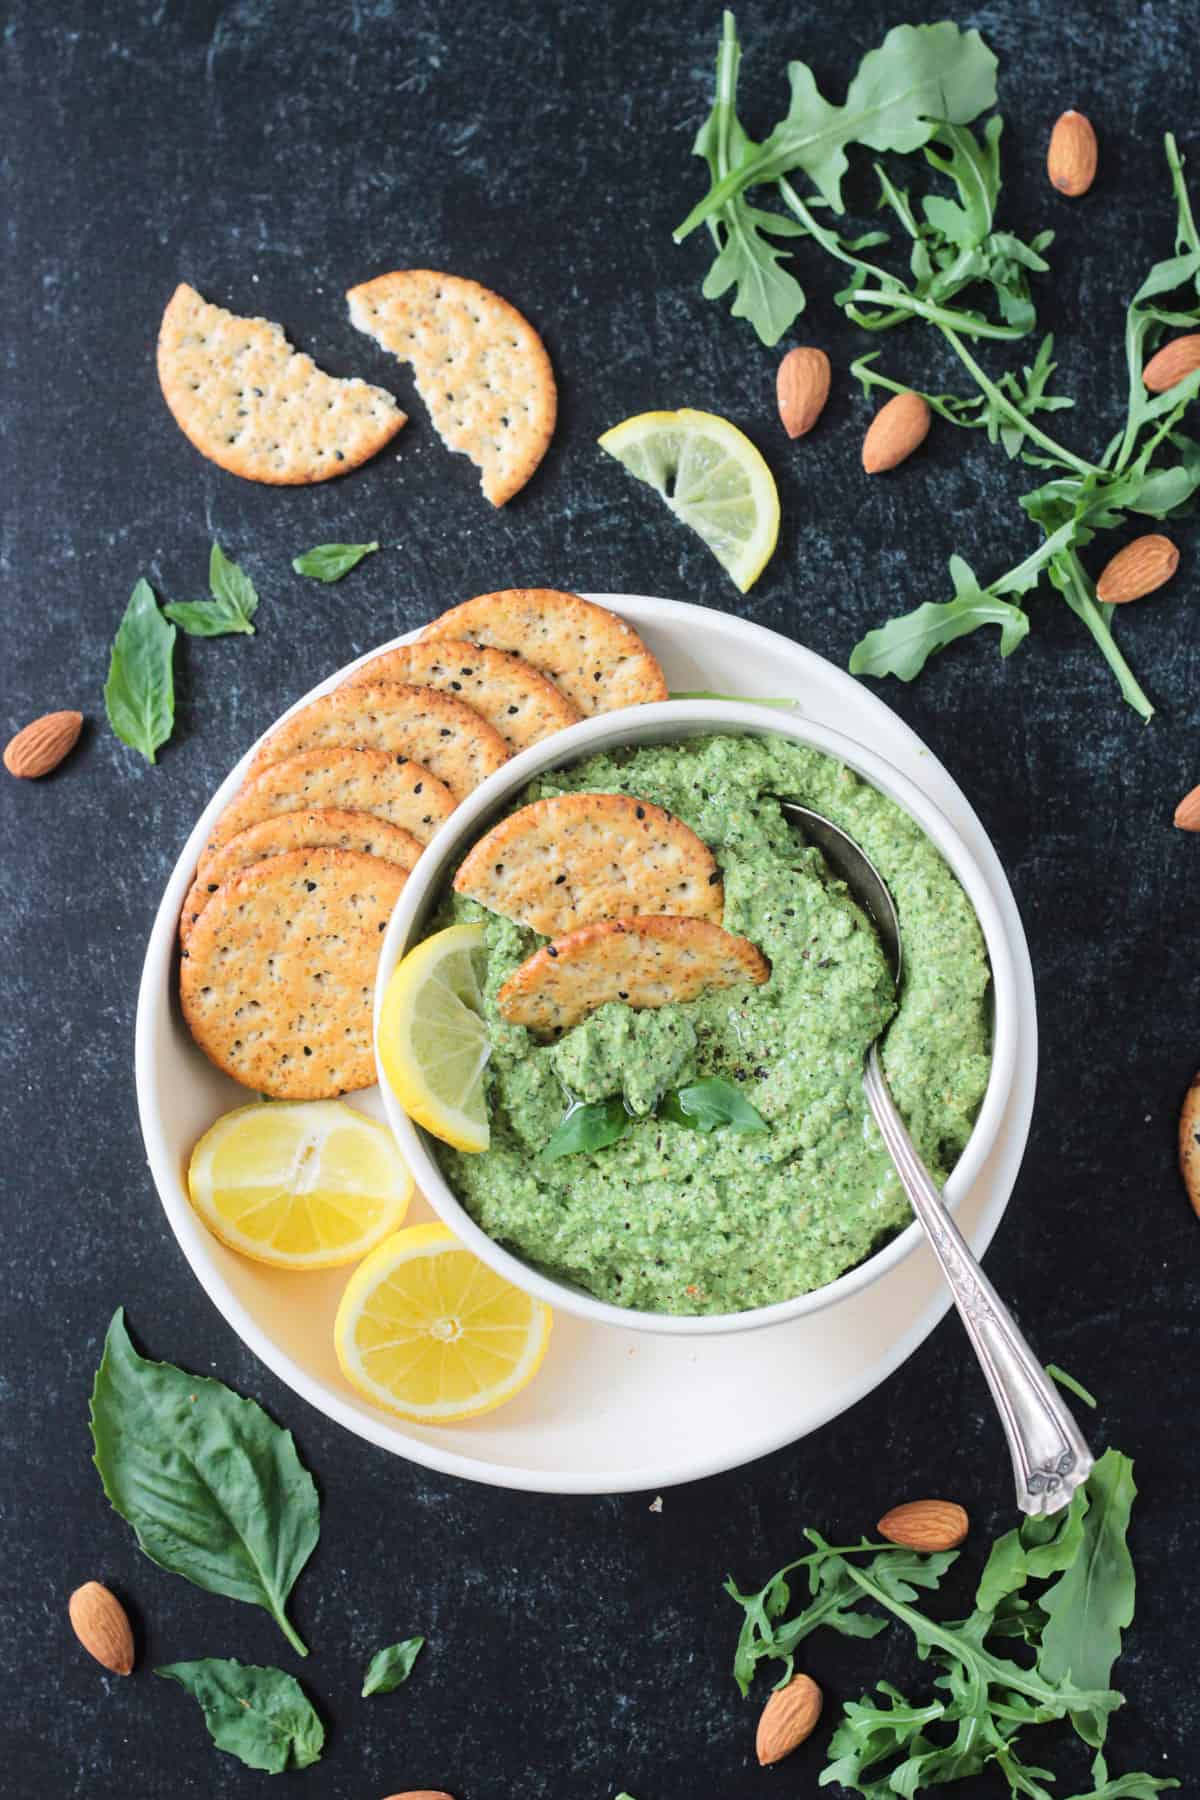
pixel 255 406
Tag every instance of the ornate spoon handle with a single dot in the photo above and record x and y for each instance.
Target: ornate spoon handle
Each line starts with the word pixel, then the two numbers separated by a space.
pixel 1049 1455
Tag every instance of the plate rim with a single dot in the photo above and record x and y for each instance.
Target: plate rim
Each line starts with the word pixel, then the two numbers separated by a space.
pixel 389 1434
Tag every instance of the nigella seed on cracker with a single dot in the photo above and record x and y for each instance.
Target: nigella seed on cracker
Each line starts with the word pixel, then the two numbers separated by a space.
pixel 255 406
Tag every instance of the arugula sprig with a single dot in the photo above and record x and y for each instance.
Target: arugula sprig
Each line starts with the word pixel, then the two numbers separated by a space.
pixel 1080 498
pixel 920 88
pixel 1061 1587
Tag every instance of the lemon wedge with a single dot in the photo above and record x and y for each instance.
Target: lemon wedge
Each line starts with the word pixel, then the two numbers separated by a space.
pixel 300 1185
pixel 428 1331
pixel 711 477
pixel 433 1042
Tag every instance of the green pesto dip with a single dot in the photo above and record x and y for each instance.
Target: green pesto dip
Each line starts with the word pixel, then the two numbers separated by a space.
pixel 671 1220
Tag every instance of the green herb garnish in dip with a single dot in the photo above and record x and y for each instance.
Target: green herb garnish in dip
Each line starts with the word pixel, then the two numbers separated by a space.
pixel 675 1220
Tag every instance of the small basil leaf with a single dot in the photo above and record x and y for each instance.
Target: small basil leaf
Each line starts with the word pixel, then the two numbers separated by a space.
pixel 261 1716
pixel 591 1127
pixel 232 589
pixel 203 618
pixel 706 1105
pixel 388 1668
pixel 212 1487
pixel 329 562
pixel 139 695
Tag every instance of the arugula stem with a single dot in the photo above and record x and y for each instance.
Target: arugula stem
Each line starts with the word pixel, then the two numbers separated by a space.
pixel 1079 597
pixel 1186 231
pixel 1005 405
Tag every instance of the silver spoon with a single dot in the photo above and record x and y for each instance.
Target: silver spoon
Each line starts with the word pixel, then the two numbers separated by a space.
pixel 1049 1455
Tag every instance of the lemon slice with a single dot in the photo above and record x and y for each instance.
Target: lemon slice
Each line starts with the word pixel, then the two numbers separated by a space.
pixel 428 1331
pixel 711 477
pixel 433 1042
pixel 301 1185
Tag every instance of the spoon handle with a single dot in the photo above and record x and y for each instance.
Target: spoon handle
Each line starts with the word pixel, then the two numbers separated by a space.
pixel 1049 1455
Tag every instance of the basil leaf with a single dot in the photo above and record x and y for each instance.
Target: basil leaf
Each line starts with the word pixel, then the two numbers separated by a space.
pixel 591 1127
pixel 388 1668
pixel 329 562
pixel 139 695
pixel 706 1105
pixel 1092 1601
pixel 261 1716
pixel 233 605
pixel 213 1488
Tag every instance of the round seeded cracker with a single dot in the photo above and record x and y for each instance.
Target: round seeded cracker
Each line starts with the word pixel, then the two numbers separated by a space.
pixel 396 790
pixel 443 734
pixel 572 858
pixel 324 829
pixel 255 406
pixel 523 705
pixel 591 655
pixel 480 368
pixel 645 962
pixel 278 976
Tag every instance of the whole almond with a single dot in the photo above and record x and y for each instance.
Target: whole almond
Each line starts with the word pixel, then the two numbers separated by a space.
pixel 1177 359
pixel 41 746
pixel 925 1525
pixel 1187 813
pixel 789 1717
pixel 1138 569
pixel 102 1626
pixel 895 432
pixel 802 388
pixel 1071 158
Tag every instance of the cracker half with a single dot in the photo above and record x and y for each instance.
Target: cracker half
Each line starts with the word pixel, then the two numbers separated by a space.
pixel 278 976
pixel 646 962
pixel 1189 1144
pixel 445 735
pixel 403 794
pixel 565 861
pixel 523 705
pixel 322 829
pixel 591 655
pixel 480 368
pixel 257 407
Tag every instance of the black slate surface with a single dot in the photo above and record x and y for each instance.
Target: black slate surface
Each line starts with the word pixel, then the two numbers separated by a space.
pixel 274 154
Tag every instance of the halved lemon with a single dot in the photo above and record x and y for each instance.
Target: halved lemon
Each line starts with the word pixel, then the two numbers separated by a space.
pixel 433 1042
pixel 428 1331
pixel 299 1184
pixel 711 477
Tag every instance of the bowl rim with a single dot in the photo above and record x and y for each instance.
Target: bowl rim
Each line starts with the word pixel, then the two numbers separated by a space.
pixel 684 718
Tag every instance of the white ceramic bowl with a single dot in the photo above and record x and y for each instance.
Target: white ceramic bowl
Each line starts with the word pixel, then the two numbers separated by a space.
pixel 664 723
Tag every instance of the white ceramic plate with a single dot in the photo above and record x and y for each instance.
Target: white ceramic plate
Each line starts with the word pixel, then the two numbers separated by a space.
pixel 611 1410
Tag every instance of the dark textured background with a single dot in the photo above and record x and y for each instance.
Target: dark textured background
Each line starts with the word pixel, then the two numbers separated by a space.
pixel 274 154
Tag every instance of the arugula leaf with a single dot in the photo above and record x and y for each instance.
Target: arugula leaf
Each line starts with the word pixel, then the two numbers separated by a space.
pixel 260 1715
pixel 904 645
pixel 920 75
pixel 329 562
pixel 213 1488
pixel 591 1127
pixel 139 695
pixel 1091 1603
pixel 233 605
pixel 1069 1382
pixel 388 1668
pixel 750 699
pixel 706 1105
pixel 1034 1550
